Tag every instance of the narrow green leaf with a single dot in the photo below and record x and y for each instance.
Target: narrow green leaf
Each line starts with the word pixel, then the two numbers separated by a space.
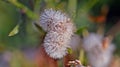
pixel 14 31
pixel 82 56
pixel 39 28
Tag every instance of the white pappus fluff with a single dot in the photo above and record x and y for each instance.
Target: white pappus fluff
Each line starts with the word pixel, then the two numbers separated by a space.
pixel 59 30
pixel 97 56
pixel 75 42
pixel 50 18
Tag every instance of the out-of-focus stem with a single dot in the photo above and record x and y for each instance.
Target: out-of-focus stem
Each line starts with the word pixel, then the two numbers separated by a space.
pixel 114 30
pixel 50 3
pixel 67 58
pixel 72 5
pixel 37 6
pixel 87 6
pixel 81 56
pixel 100 29
pixel 26 10
pixel 43 60
pixel 85 33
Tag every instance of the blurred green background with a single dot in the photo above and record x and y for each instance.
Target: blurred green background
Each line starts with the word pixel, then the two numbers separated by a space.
pixel 17 18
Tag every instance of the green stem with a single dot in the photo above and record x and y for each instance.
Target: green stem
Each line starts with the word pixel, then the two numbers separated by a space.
pixel 72 6
pixel 82 56
pixel 27 11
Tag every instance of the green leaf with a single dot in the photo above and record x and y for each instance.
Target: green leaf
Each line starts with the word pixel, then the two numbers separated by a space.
pixel 80 30
pixel 69 50
pixel 14 31
pixel 39 28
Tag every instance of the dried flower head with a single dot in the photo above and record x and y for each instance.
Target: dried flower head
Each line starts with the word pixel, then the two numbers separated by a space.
pixel 51 19
pixel 76 63
pixel 59 30
pixel 97 55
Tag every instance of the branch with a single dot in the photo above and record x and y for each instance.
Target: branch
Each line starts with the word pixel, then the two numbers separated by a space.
pixel 114 30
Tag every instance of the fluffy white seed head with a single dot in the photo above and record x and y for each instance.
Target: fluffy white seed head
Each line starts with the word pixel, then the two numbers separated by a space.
pixel 50 18
pixel 55 45
pixel 97 56
pixel 59 30
pixel 75 42
pixel 92 40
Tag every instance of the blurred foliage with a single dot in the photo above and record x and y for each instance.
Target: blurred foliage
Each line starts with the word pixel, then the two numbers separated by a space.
pixel 17 18
pixel 19 60
pixel 24 9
